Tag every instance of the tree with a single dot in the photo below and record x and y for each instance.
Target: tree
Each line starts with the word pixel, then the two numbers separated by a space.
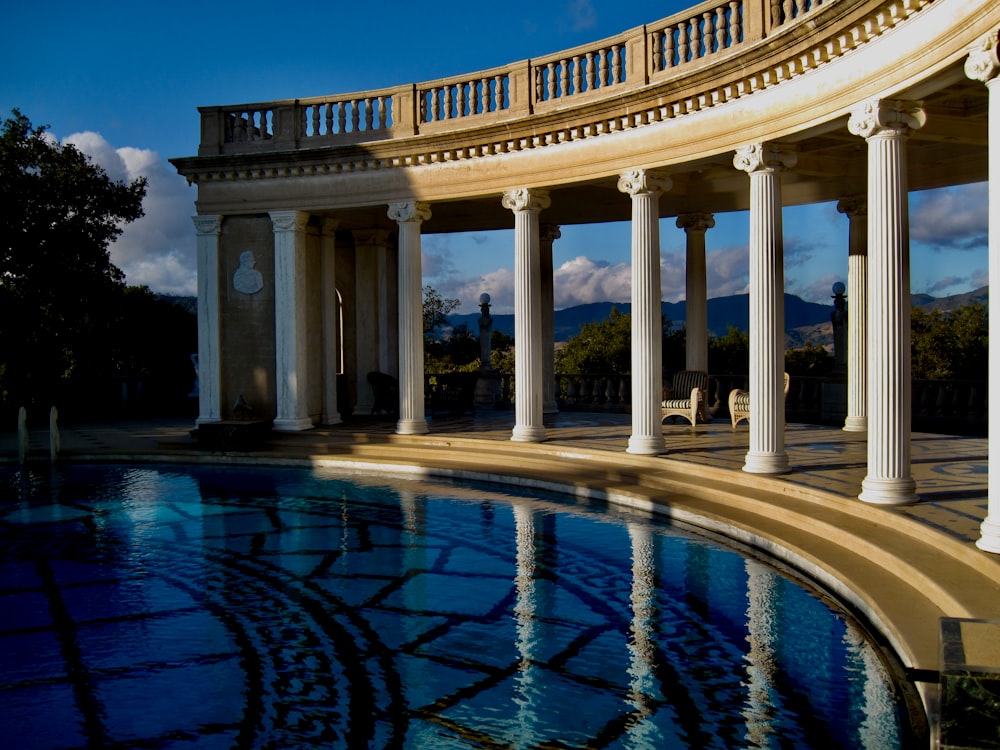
pixel 436 309
pixel 58 286
pixel 950 345
pixel 600 347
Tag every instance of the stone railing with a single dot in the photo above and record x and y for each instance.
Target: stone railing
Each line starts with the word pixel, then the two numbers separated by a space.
pixel 629 61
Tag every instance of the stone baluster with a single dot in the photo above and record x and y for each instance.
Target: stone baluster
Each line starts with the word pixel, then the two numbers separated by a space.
pixel 983 64
pixel 645 188
pixel 209 229
pixel 856 210
pixel 696 329
pixel 764 163
pixel 526 205
pixel 409 216
pixel 885 126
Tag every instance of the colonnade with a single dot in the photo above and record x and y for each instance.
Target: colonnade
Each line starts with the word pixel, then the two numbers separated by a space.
pixel 878 283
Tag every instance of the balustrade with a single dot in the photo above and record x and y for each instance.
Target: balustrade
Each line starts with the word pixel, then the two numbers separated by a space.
pixel 703 31
pixel 455 99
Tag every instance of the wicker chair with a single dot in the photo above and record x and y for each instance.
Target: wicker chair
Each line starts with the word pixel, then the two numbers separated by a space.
pixel 687 396
pixel 739 403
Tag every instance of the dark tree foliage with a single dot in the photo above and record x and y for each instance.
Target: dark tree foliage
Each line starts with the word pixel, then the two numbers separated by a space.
pixel 600 347
pixel 729 354
pixel 809 360
pixel 436 309
pixel 950 345
pixel 59 291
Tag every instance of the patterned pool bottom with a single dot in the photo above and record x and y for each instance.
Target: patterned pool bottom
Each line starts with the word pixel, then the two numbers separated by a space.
pixel 168 608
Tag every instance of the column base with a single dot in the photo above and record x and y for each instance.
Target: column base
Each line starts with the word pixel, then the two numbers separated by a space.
pixel 292 424
pixel 856 424
pixel 766 463
pixel 902 491
pixel 646 445
pixel 990 539
pixel 332 419
pixel 550 408
pixel 528 434
pixel 206 420
pixel 412 427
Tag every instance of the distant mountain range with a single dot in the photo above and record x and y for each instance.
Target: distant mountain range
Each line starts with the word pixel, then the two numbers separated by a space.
pixel 804 321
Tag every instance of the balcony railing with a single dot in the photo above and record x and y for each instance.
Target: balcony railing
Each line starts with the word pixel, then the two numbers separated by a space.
pixel 628 61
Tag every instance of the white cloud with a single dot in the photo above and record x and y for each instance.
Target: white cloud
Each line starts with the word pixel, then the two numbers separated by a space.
pixel 158 250
pixel 581 15
pixel 951 218
pixel 582 280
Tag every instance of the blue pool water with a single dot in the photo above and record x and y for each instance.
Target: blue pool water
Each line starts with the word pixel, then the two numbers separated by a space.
pixel 176 607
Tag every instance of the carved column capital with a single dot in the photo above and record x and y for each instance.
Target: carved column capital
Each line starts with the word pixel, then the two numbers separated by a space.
pixel 639 181
pixel 405 211
pixel 526 199
pixel 549 232
pixel 886 116
pixel 855 205
pixel 983 62
pixel 764 157
pixel 209 224
pixel 289 221
pixel 329 226
pixel 699 221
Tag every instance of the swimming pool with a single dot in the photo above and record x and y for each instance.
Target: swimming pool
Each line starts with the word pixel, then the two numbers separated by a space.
pixel 162 607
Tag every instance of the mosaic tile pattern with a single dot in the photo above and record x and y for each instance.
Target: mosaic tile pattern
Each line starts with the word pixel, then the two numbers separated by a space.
pixel 168 608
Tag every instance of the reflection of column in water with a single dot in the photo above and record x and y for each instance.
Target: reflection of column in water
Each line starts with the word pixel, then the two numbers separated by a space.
pixel 762 630
pixel 642 649
pixel 879 728
pixel 527 695
pixel 414 559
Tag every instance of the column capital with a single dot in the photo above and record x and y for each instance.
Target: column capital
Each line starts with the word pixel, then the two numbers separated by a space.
pixel 764 157
pixel 288 221
pixel 406 211
pixel 329 226
pixel 526 199
pixel 698 221
pixel 886 116
pixel 983 62
pixel 207 224
pixel 644 181
pixel 855 205
pixel 549 232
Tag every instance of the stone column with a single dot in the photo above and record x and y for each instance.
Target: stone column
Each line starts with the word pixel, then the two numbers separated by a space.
pixel 208 229
pixel 764 163
pixel 983 64
pixel 645 188
pixel 526 205
pixel 549 233
pixel 696 303
pixel 370 251
pixel 856 210
pixel 885 125
pixel 409 216
pixel 331 320
pixel 291 363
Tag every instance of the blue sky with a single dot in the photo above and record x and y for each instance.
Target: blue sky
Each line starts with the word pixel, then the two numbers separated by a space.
pixel 123 82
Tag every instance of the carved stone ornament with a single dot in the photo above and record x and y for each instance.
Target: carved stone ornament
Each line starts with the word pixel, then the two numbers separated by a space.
pixel 247 278
pixel 878 116
pixel 210 224
pixel 983 62
pixel 760 157
pixel 638 181
pixel 409 211
pixel 856 205
pixel 526 199
pixel 699 221
pixel 289 221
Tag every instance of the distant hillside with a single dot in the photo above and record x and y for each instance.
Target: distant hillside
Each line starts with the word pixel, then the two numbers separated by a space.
pixel 804 321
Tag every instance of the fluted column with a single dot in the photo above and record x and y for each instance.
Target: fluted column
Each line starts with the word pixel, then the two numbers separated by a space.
pixel 764 163
pixel 885 125
pixel 409 216
pixel 856 210
pixel 645 188
pixel 983 64
pixel 370 269
pixel 331 320
pixel 526 205
pixel 696 295
pixel 208 230
pixel 291 362
pixel 549 233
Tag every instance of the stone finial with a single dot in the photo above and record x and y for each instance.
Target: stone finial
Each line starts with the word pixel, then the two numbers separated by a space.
pixel 886 115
